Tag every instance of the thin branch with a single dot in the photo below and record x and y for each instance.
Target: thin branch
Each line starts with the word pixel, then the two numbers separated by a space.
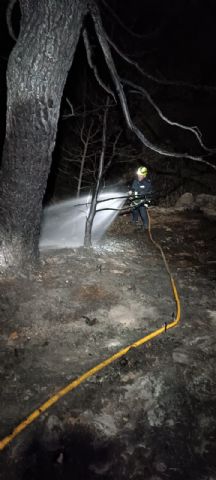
pixel 113 152
pixel 82 131
pixel 122 98
pixel 127 29
pixel 93 66
pixel 9 11
pixel 195 130
pixel 84 152
pixel 71 114
pixel 90 112
pixel 94 134
pixel 159 81
pixel 93 206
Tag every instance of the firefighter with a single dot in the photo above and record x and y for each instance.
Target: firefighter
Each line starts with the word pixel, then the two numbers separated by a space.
pixel 139 195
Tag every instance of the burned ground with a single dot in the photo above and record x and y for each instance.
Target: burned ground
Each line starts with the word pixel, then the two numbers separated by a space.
pixel 152 413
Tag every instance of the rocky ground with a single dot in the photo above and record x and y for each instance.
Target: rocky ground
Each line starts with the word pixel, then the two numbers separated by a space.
pixel 151 415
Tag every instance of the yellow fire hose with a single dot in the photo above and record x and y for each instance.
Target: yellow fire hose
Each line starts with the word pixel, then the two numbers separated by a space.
pixel 75 383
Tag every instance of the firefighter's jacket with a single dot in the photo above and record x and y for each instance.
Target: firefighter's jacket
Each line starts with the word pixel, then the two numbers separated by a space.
pixel 140 189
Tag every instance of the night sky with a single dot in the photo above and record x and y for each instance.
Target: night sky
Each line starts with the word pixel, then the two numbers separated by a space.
pixel 181 40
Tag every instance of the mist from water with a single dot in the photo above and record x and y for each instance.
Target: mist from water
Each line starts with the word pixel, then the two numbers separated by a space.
pixel 63 224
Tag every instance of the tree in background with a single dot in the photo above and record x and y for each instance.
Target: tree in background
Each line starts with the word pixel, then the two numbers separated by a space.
pixel 97 186
pixel 77 168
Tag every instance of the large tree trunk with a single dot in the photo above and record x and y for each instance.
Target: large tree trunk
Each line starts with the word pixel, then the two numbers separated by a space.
pixel 36 76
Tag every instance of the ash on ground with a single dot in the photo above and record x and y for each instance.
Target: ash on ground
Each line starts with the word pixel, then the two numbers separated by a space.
pixel 150 415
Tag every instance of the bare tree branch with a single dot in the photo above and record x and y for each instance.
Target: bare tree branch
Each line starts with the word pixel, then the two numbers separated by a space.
pixel 127 29
pixel 9 12
pixel 93 206
pixel 84 153
pixel 92 111
pixel 122 98
pixel 113 152
pixel 160 81
pixel 93 66
pixel 72 113
pixel 195 130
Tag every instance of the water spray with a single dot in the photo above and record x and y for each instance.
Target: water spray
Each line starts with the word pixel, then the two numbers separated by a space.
pixel 63 224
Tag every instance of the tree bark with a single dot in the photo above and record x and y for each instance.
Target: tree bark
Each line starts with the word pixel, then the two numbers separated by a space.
pixel 36 75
